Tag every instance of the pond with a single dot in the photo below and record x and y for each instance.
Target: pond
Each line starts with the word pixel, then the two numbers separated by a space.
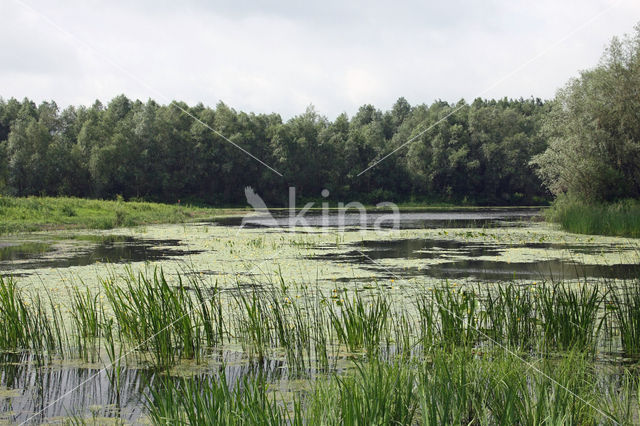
pixel 479 247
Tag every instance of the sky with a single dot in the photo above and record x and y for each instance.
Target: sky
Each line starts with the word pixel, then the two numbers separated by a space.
pixel 282 56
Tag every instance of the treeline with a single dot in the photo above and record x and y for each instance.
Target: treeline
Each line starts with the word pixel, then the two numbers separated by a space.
pixel 479 154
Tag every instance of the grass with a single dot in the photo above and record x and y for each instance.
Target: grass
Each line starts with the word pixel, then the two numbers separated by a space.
pixel 163 319
pixel 509 355
pixel 45 213
pixel 183 317
pixel 616 219
pixel 360 323
pixel 624 305
pixel 570 316
pixel 450 388
pixel 457 314
pixel 378 393
pixel 511 313
pixel 200 401
pixel 29 324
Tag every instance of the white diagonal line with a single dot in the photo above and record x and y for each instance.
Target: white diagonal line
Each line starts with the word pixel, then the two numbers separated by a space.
pixel 499 81
pixel 96 52
pixel 505 348
pixel 110 364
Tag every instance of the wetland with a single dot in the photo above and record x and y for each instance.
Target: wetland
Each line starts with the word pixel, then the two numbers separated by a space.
pixel 184 322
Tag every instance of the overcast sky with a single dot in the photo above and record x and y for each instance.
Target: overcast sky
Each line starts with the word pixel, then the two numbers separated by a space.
pixel 282 56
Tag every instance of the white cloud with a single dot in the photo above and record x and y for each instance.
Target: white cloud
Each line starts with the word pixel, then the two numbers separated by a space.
pixel 281 56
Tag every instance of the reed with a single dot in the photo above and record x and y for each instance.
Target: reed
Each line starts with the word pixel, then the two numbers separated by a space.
pixel 457 317
pixel 85 315
pixel 165 320
pixel 212 400
pixel 511 312
pixel 621 218
pixel 570 316
pixel 624 305
pixel 28 323
pixel 359 323
pixel 378 393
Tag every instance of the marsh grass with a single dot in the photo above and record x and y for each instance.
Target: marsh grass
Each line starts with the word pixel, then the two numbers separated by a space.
pixel 457 313
pixel 86 323
pixel 42 213
pixel 508 354
pixel 360 323
pixel 212 400
pixel 378 393
pixel 28 324
pixel 618 219
pixel 621 398
pixel 454 386
pixel 14 315
pixel 162 319
pixel 185 318
pixel 624 305
pixel 570 316
pixel 511 316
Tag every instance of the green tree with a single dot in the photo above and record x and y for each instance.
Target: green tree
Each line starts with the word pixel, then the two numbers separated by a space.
pixel 594 131
pixel 27 148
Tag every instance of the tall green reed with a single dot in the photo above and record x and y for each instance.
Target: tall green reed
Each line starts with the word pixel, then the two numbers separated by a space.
pixel 360 323
pixel 624 306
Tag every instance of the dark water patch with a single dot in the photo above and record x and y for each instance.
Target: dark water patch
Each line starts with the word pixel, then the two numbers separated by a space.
pixel 99 239
pixel 541 270
pixel 582 249
pixel 406 220
pixel 47 392
pixel 22 250
pixel 425 249
pixel 109 250
pixel 463 262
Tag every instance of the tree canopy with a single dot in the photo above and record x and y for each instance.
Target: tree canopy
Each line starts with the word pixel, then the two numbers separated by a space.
pixel 593 129
pixel 480 154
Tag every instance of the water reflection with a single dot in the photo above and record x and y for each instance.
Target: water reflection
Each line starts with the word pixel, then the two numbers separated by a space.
pixel 39 393
pixel 461 260
pixel 407 220
pixel 110 250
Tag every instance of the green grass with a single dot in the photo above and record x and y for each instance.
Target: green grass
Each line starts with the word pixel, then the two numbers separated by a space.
pixel 182 318
pixel 570 316
pixel 624 305
pixel 29 323
pixel 360 323
pixel 511 314
pixel 166 320
pixel 200 401
pixel 509 355
pixel 455 387
pixel 45 213
pixel 378 393
pixel 617 219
